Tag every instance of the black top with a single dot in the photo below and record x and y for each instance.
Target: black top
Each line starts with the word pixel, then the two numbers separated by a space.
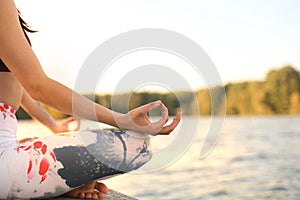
pixel 3 67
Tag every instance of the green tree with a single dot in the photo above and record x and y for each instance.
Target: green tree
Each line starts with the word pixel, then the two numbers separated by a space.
pixel 279 86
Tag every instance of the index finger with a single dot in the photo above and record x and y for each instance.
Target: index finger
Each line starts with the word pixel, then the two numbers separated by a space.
pixel 168 129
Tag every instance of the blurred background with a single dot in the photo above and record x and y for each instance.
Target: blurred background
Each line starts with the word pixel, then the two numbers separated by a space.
pixel 255 47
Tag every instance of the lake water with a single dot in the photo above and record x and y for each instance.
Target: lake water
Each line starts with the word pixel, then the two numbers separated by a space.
pixel 255 158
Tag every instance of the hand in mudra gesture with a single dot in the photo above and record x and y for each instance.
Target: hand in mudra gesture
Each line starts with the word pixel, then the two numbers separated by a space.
pixel 64 125
pixel 138 120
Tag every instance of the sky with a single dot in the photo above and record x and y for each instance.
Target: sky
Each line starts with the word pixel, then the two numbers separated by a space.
pixel 244 39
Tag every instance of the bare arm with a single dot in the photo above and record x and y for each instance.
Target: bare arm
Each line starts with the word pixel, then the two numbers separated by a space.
pixel 37 111
pixel 23 63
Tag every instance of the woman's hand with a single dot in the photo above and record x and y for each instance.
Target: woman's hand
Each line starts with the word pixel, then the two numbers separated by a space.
pixel 64 125
pixel 138 120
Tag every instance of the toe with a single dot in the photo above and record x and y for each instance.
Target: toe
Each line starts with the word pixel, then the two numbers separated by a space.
pixel 101 187
pixel 101 195
pixel 88 195
pixel 81 195
pixel 95 195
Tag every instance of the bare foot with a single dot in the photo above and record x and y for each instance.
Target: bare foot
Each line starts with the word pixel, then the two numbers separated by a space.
pixel 92 190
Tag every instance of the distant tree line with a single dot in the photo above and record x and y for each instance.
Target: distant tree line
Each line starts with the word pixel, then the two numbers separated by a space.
pixel 278 94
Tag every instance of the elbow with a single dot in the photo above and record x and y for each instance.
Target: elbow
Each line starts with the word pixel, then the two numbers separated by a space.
pixel 36 88
pixel 35 93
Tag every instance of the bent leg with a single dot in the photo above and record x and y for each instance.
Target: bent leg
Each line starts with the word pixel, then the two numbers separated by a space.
pixel 57 164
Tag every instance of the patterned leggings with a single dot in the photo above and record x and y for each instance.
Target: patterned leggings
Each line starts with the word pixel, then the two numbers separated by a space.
pixel 50 166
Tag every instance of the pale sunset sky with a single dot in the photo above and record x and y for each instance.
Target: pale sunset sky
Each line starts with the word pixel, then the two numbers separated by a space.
pixel 244 39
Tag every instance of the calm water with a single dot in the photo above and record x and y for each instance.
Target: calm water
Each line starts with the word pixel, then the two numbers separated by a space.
pixel 255 158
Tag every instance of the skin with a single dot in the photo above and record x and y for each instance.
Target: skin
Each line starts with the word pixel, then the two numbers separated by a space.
pixel 27 85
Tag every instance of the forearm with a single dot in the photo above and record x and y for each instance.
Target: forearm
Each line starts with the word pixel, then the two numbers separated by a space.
pixel 64 99
pixel 40 114
pixel 36 110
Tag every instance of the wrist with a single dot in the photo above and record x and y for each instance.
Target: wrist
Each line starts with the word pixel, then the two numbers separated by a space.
pixel 120 120
pixel 54 127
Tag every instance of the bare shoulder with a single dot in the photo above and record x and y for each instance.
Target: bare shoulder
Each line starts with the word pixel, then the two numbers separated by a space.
pixel 8 14
pixel 9 22
pixel 6 3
